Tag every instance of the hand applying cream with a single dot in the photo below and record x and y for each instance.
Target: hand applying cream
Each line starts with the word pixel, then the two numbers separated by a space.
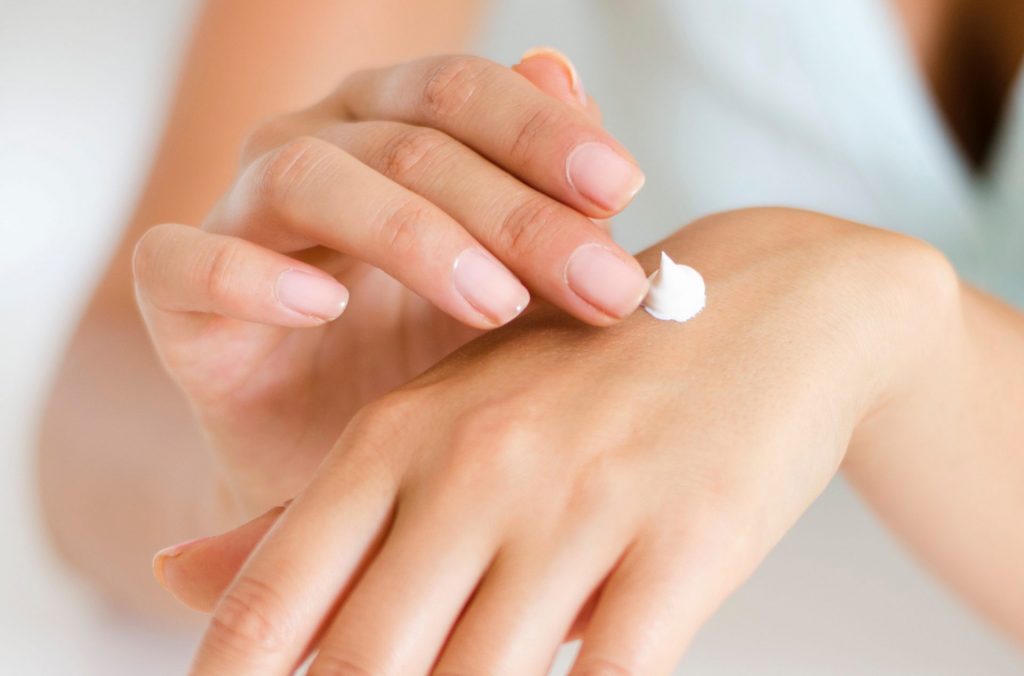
pixel 677 292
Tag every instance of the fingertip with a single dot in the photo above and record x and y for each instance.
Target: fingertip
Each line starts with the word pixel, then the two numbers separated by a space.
pixel 605 177
pixel 314 298
pixel 197 575
pixel 198 571
pixel 553 72
pixel 477 320
pixel 494 295
pixel 166 571
pixel 605 281
pixel 158 564
pixel 554 54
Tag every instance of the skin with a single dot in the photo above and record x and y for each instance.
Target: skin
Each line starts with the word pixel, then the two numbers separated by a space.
pixel 203 497
pixel 202 291
pixel 95 424
pixel 482 500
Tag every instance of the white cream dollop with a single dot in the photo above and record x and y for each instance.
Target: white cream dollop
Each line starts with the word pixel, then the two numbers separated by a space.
pixel 677 292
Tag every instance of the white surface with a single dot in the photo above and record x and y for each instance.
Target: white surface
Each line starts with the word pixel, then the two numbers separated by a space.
pixel 80 100
pixel 81 87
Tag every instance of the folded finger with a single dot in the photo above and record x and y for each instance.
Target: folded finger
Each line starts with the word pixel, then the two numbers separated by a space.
pixel 557 148
pixel 553 73
pixel 310 192
pixel 556 251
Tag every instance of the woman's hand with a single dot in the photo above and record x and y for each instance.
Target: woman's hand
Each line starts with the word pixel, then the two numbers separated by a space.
pixel 625 480
pixel 461 179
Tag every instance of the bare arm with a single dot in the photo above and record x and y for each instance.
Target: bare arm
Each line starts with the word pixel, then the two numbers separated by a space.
pixel 123 469
pixel 946 470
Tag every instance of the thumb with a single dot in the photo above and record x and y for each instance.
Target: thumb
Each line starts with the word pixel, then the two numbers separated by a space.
pixel 553 73
pixel 197 572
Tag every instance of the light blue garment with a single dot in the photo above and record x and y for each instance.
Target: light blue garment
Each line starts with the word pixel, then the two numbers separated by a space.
pixel 803 103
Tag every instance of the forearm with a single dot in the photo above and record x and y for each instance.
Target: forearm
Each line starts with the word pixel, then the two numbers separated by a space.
pixel 123 467
pixel 945 466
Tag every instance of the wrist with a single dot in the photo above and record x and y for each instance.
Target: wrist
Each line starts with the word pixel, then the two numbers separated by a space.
pixel 927 388
pixel 923 349
pixel 883 309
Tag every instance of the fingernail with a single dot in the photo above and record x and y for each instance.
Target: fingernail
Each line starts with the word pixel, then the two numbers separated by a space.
pixel 603 176
pixel 605 281
pixel 161 557
pixel 311 295
pixel 575 84
pixel 486 285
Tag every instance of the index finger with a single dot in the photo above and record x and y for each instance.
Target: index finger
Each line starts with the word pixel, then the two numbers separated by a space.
pixel 556 148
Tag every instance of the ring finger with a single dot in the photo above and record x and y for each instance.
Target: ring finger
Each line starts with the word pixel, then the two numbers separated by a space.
pixel 310 192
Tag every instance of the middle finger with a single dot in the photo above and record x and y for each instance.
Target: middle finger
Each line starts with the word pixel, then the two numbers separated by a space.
pixel 398 616
pixel 555 147
pixel 553 248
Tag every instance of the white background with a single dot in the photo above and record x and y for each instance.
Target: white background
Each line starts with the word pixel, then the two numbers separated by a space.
pixel 82 87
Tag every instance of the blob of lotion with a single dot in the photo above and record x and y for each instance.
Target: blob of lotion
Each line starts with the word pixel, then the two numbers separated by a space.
pixel 677 292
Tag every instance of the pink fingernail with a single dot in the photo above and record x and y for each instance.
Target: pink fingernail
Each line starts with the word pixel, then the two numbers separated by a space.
pixel 311 295
pixel 486 285
pixel 605 281
pixel 603 176
pixel 161 557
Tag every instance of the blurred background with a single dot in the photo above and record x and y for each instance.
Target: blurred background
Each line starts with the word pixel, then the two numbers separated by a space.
pixel 82 92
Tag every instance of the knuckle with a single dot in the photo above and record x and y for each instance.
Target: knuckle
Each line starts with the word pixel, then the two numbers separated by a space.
pixel 401 225
pixel 329 664
pixel 528 138
pixel 287 169
pixel 723 526
pixel 526 229
pixel 221 271
pixel 147 250
pixel 248 618
pixel 595 488
pixel 451 84
pixel 412 152
pixel 270 134
pixel 712 489
pixel 340 98
pixel 494 440
pixel 373 433
pixel 387 412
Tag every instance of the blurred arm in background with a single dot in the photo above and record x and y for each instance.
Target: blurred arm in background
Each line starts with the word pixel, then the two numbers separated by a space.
pixel 122 466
